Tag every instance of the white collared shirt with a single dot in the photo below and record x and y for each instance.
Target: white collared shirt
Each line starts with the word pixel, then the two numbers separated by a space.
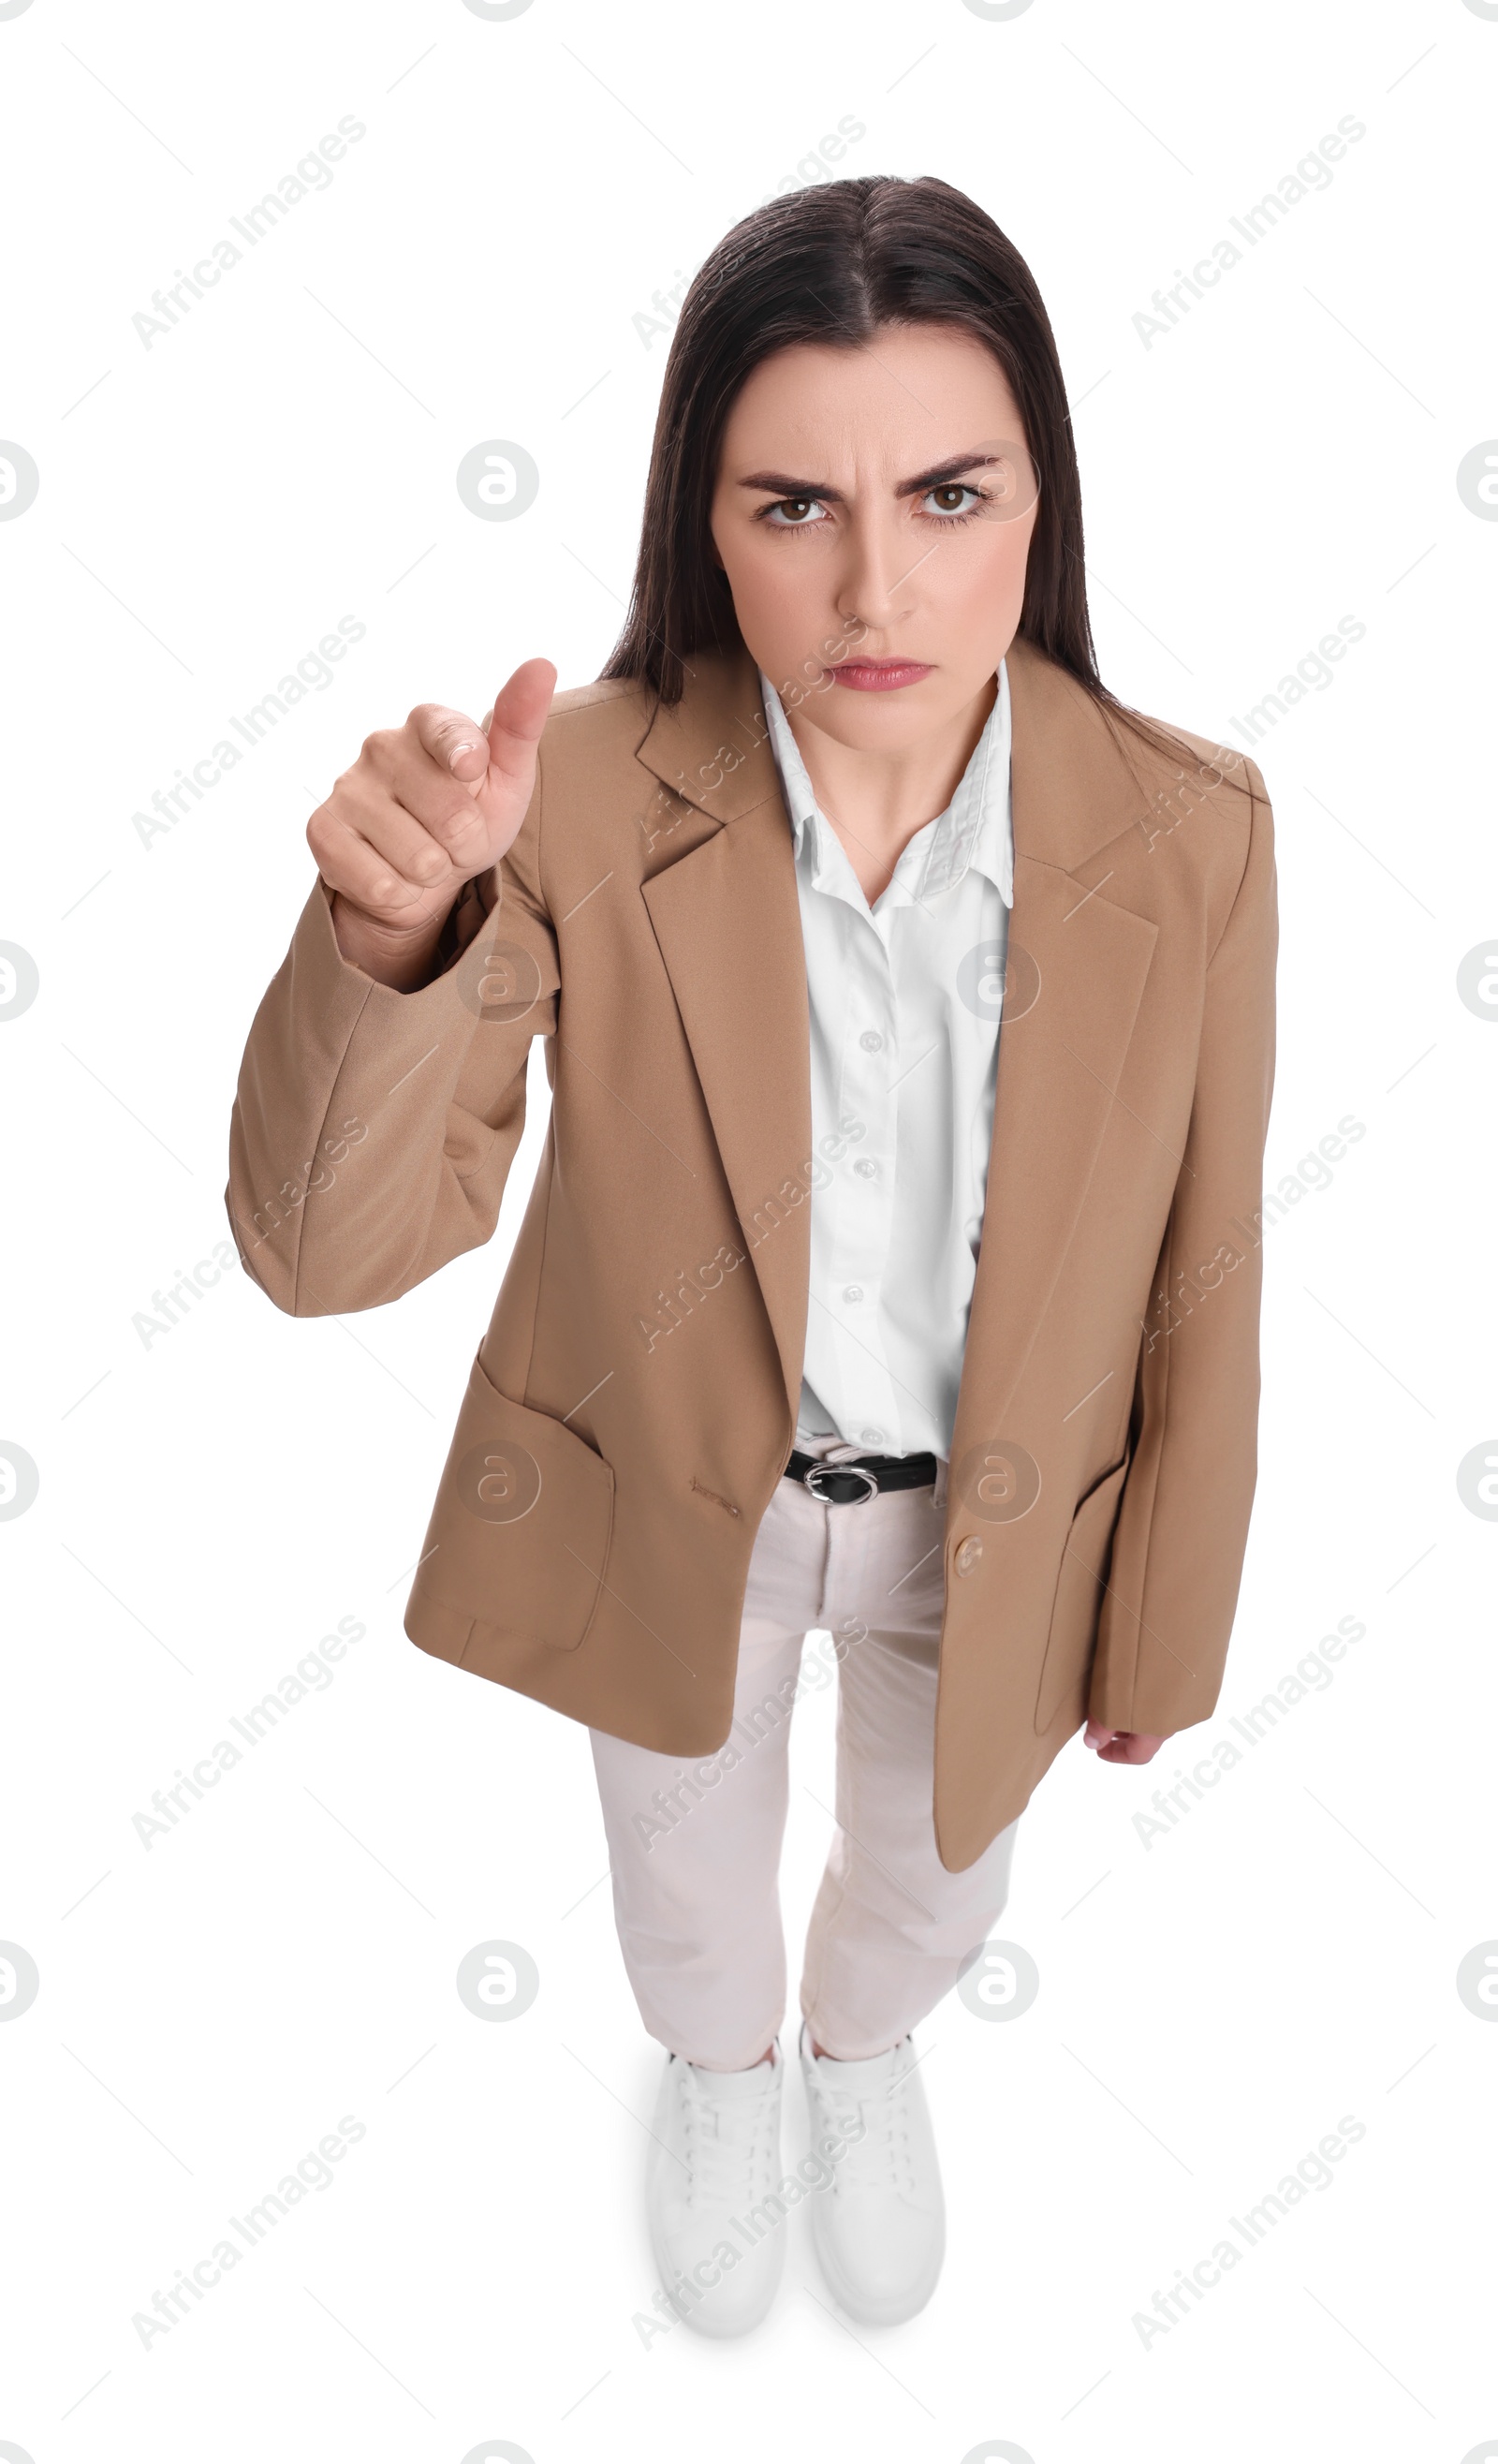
pixel 904 1000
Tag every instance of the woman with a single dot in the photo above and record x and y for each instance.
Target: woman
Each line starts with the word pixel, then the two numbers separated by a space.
pixel 891 1267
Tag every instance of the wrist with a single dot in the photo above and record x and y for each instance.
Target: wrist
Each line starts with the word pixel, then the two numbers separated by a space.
pixel 401 957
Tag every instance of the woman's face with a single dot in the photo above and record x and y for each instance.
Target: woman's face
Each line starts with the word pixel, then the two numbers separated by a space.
pixel 873 514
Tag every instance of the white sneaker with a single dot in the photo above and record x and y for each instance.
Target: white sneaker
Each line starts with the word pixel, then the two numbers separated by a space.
pixel 714 2158
pixel 879 2226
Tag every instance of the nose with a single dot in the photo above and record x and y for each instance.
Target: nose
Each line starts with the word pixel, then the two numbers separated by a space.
pixel 877 585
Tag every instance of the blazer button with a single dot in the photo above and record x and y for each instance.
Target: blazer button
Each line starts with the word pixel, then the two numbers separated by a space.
pixel 968 1557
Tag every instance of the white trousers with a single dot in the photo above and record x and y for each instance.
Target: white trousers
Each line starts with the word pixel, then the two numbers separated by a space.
pixel 695 1847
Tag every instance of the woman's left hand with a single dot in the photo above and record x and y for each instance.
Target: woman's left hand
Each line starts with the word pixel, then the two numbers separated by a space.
pixel 1120 1745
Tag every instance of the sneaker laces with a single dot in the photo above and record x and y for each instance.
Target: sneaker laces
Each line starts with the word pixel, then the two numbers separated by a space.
pixel 727 2140
pixel 880 2159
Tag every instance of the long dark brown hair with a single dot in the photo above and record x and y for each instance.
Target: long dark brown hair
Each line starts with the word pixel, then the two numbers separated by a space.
pixel 831 265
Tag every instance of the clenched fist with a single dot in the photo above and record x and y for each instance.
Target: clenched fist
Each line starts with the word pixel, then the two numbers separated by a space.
pixel 425 808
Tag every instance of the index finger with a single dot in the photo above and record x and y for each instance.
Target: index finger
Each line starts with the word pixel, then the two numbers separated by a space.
pixel 452 739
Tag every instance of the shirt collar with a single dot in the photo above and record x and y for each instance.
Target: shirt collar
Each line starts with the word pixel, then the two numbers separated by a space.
pixel 976 831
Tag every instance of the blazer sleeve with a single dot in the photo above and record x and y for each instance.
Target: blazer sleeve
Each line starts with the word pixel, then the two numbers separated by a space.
pixel 1182 1524
pixel 372 1130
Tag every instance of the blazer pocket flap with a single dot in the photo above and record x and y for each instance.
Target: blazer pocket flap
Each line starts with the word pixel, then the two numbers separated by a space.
pixel 521 1528
pixel 1079 1592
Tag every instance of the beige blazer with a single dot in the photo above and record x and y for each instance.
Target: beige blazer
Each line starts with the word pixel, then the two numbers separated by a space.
pixel 633 1402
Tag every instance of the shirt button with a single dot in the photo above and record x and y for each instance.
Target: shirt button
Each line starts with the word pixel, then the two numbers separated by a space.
pixel 872 1437
pixel 871 1042
pixel 968 1557
pixel 854 1292
pixel 866 1168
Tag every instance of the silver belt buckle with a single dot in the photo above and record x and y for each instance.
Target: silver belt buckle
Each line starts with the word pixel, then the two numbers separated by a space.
pixel 860 1471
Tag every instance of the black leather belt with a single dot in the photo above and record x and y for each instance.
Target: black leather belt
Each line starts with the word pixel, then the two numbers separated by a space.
pixel 853 1484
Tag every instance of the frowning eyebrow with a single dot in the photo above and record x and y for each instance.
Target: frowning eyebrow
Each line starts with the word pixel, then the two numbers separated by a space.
pixel 778 483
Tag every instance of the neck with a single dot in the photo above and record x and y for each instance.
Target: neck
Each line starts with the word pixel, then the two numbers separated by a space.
pixel 876 801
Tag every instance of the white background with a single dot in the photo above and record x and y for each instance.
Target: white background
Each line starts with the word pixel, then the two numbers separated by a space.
pixel 213 1501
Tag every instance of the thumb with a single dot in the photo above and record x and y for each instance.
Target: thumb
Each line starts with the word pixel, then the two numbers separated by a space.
pixel 519 715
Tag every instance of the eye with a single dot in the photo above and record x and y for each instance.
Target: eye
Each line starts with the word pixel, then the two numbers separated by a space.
pixel 948 495
pixel 796 509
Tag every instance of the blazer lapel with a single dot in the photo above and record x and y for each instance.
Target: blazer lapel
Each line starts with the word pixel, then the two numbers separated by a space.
pixel 727 921
pixel 1075 974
